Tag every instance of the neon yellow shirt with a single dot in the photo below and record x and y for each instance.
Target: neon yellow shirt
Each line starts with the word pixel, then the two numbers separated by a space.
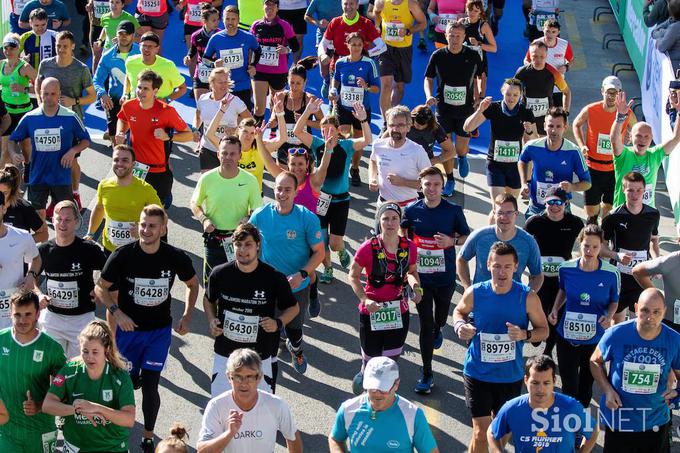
pixel 162 66
pixel 252 162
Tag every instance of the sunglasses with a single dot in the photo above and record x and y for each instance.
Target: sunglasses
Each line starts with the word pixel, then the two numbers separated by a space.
pixel 297 151
pixel 555 202
pixel 13 45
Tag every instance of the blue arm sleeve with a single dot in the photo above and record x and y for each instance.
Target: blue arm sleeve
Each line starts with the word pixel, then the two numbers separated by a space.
pixel 100 76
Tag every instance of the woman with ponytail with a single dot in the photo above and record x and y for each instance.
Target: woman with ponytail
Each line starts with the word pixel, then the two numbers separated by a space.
pixel 20 213
pixel 176 442
pixel 93 393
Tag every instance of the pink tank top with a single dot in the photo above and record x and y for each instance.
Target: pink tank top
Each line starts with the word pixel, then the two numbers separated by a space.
pixel 306 196
pixel 448 11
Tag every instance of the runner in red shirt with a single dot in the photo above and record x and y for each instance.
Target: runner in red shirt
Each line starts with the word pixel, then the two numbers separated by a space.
pixel 153 126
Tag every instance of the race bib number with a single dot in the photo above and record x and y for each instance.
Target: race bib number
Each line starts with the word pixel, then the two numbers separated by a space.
pixel 101 8
pixel 639 256
pixel 506 151
pixel 430 257
pixel 579 326
pixel 150 6
pixel 233 58
pixel 676 311
pixel 119 233
pixel 150 292
pixel 292 138
pixel 140 170
pixel 323 203
pixel 550 265
pixel 70 448
pixel 497 347
pixel 539 106
pixel 194 13
pixel 388 317
pixel 542 18
pixel 49 442
pixel 228 246
pixel 641 378
pixel 63 294
pixel 5 296
pixel 241 328
pixel 648 196
pixel 47 140
pixel 203 72
pixel 542 189
pixel 455 96
pixel 351 95
pixel 604 144
pixel 445 20
pixel 269 56
pixel 392 31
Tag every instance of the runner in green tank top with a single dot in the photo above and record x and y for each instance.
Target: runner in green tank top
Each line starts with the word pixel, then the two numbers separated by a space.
pixel 15 75
pixel 94 394
pixel 28 358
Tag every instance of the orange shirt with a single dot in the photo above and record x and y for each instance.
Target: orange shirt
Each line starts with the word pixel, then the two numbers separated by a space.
pixel 600 155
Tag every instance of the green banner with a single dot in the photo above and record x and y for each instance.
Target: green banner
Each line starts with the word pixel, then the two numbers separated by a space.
pixel 628 15
pixel 5 9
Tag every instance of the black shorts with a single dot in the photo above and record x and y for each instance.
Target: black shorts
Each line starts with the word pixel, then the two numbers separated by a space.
pixel 38 194
pixel 208 159
pixel 382 342
pixel 397 62
pixel 502 174
pixel 197 84
pixel 452 126
pixel 486 398
pixel 628 298
pixel 658 441
pixel 277 82
pixel 296 18
pixel 246 96
pixel 190 29
pixel 336 218
pixel 162 182
pixel 155 22
pixel 14 120
pixel 602 188
pixel 345 116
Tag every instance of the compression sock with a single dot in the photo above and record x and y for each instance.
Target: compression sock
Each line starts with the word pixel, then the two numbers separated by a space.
pixel 151 399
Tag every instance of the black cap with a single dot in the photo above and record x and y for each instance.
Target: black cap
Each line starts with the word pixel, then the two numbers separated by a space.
pixel 556 192
pixel 127 27
pixel 674 85
pixel 270 1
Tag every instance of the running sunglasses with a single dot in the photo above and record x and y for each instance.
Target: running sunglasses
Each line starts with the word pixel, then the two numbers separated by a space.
pixel 555 202
pixel 297 151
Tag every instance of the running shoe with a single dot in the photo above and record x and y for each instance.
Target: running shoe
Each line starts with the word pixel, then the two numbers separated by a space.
pixel 438 339
pixel 136 381
pixel 314 307
pixel 463 166
pixel 354 177
pixel 449 188
pixel 297 357
pixel 147 445
pixel 422 45
pixel 424 385
pixel 76 198
pixel 327 275
pixel 358 383
pixel 344 258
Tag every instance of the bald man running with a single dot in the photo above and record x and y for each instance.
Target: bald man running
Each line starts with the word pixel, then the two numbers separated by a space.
pixel 638 157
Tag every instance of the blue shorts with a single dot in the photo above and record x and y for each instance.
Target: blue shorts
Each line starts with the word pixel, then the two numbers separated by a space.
pixel 14 25
pixel 501 174
pixel 145 349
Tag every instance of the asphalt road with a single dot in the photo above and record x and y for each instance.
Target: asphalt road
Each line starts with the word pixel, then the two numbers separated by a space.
pixel 332 344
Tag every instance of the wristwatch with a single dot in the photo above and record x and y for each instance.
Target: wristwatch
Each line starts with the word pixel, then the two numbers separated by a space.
pixel 303 273
pixel 113 308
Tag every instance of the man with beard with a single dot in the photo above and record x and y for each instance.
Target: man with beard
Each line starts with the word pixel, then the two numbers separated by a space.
pixel 241 301
pixel 396 161
pixel 292 244
pixel 641 353
pixel 120 199
pixel 29 358
pixel 555 161
pixel 596 145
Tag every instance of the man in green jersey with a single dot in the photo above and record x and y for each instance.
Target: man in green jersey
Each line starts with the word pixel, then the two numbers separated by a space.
pixel 28 358
pixel 639 157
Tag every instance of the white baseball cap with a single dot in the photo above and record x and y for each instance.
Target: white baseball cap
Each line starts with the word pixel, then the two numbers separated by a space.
pixel 380 374
pixel 611 82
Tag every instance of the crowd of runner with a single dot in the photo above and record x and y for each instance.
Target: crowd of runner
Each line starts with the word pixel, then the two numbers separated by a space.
pixel 597 310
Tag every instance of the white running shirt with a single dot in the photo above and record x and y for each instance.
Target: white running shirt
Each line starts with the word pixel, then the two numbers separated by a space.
pixel 406 161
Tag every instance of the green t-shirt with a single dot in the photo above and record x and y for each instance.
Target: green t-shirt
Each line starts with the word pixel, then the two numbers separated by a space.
pixel 110 24
pixel 113 389
pixel 248 12
pixel 647 164
pixel 167 69
pixel 227 201
pixel 23 368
